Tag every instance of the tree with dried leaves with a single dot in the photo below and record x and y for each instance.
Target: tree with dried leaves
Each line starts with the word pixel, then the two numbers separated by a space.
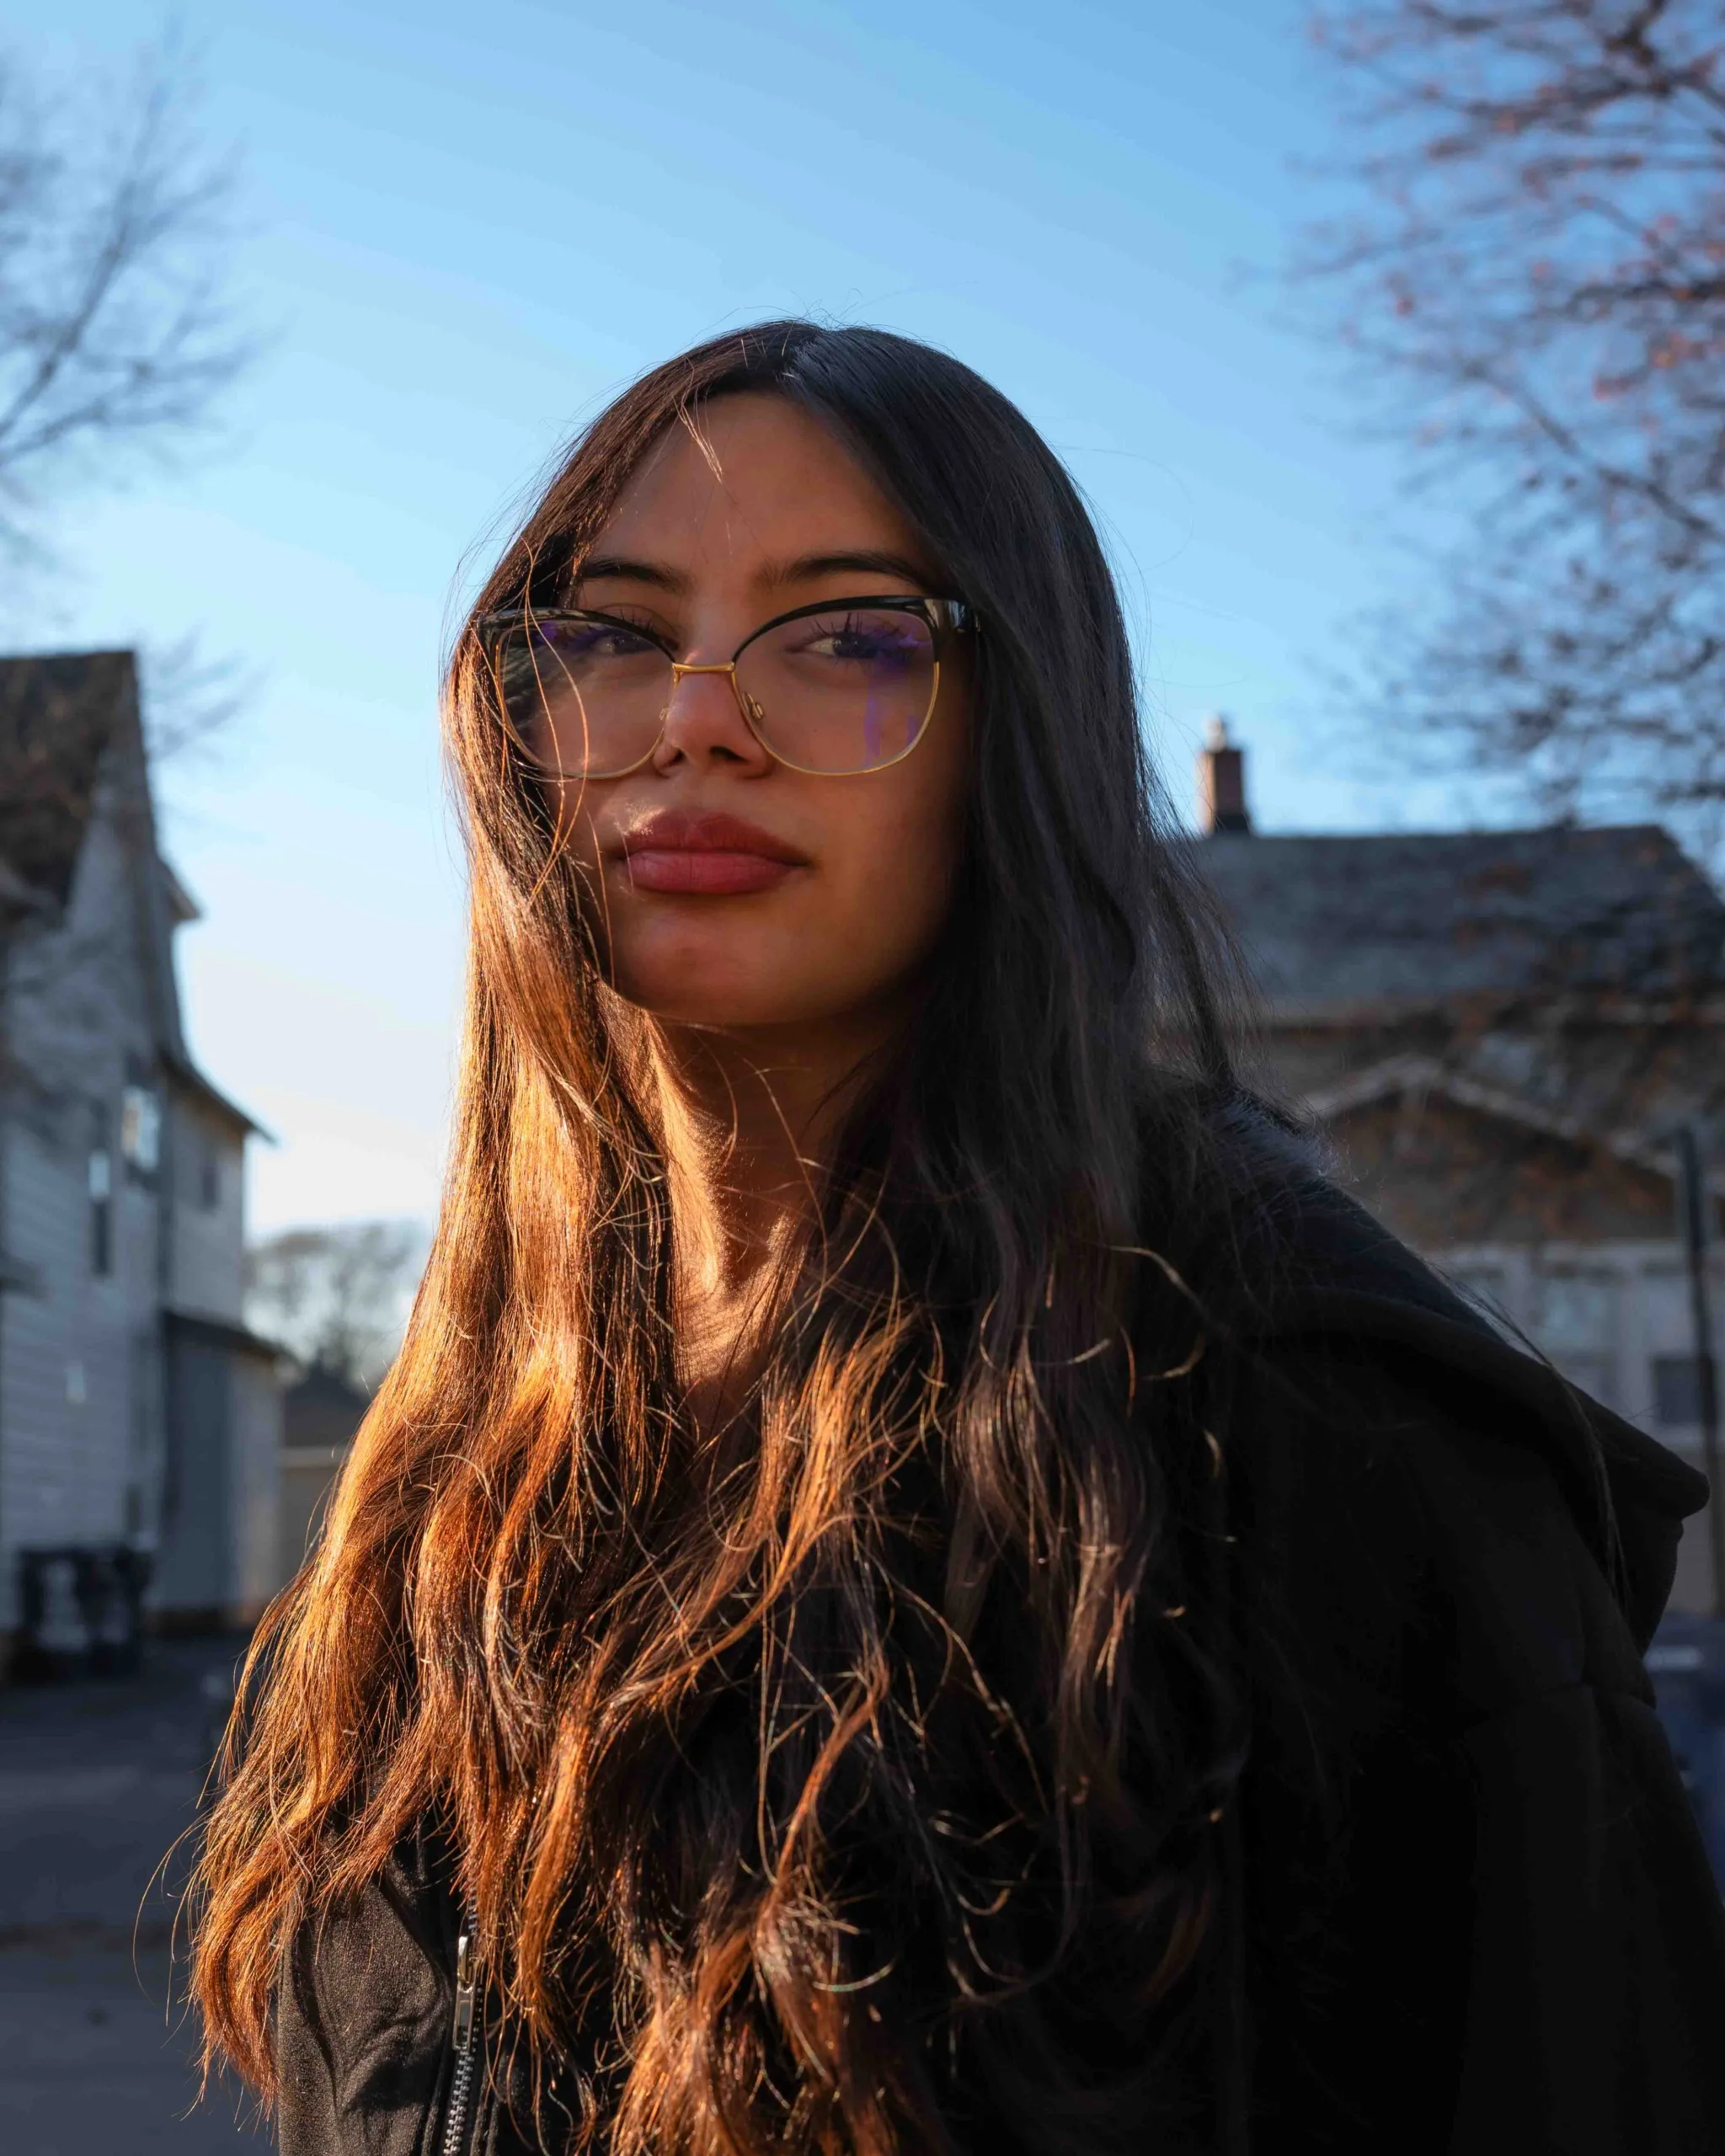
pixel 1534 280
pixel 115 334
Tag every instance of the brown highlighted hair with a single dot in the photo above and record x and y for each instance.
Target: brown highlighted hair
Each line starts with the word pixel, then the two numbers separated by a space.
pixel 819 1796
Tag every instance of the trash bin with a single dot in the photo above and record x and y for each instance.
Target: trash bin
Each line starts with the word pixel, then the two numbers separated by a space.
pixel 80 1612
pixel 1686 1663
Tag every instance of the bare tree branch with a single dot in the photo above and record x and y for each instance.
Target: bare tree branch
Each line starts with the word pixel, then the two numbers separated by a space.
pixel 1533 286
pixel 190 698
pixel 337 1298
pixel 115 336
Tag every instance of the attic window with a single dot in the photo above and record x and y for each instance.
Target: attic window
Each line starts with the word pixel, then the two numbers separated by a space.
pixel 140 1130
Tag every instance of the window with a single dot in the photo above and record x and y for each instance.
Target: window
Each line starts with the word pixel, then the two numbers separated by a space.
pixel 101 1179
pixel 1576 1323
pixel 1677 1391
pixel 1575 1311
pixel 140 1130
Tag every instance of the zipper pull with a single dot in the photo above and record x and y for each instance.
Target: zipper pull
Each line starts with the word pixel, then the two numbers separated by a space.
pixel 462 2034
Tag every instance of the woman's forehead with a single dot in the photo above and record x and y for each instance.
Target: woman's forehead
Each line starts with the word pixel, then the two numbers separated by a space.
pixel 751 481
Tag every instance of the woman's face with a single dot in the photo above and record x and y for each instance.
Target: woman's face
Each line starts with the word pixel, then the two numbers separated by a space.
pixel 817 899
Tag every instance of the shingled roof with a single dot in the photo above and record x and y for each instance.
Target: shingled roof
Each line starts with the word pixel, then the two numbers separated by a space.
pixel 66 719
pixel 58 714
pixel 1424 918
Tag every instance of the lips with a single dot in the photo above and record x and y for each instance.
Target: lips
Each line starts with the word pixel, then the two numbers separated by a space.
pixel 687 853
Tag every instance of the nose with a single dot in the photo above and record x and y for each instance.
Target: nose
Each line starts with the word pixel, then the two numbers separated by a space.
pixel 704 724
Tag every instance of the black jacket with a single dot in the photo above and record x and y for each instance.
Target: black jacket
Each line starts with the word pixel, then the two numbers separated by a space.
pixel 1469 1911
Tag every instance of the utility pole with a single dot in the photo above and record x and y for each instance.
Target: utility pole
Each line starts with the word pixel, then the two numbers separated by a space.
pixel 13 904
pixel 5 1237
pixel 1693 1205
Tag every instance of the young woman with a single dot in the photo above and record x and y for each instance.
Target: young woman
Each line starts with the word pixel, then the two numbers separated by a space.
pixel 920 1583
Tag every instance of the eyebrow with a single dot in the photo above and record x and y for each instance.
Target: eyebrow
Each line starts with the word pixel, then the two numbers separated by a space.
pixel 898 568
pixel 867 560
pixel 616 569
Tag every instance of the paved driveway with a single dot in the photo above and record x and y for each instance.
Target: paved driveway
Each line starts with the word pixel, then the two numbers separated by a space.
pixel 98 1781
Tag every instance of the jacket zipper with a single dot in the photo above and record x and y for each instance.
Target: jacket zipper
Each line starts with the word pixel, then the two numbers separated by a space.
pixel 461 2087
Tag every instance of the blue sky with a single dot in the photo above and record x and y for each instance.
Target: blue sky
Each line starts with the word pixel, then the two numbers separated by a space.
pixel 467 226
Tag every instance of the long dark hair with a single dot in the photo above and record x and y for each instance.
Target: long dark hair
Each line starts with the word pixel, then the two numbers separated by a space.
pixel 845 1792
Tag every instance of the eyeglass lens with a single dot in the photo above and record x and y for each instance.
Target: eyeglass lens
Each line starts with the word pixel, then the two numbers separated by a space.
pixel 848 690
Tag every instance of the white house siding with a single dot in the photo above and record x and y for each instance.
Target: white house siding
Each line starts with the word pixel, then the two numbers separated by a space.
pixel 80 1002
pixel 209 1238
pixel 86 1370
pixel 1666 1330
pixel 218 1557
pixel 1637 1295
pixel 78 1470
pixel 67 1369
pixel 220 1550
pixel 196 1563
pixel 307 1476
pixel 256 1438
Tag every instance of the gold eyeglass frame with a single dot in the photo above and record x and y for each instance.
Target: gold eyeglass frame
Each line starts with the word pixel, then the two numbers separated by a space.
pixel 946 618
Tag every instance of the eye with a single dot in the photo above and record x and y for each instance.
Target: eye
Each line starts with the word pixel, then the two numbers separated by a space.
pixel 593 640
pixel 869 639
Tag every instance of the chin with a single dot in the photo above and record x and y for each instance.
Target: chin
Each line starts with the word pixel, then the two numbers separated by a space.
pixel 716 996
pixel 716 979
pixel 708 1013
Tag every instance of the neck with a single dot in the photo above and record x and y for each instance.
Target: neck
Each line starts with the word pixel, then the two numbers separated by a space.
pixel 748 1121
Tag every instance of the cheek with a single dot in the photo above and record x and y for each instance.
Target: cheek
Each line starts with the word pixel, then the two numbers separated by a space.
pixel 894 876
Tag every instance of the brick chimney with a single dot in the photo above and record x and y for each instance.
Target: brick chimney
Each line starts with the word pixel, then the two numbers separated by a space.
pixel 1221 781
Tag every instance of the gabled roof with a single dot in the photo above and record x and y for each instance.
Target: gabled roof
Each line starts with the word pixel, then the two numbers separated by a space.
pixel 1428 917
pixel 68 719
pixel 192 1081
pixel 182 906
pixel 1396 1076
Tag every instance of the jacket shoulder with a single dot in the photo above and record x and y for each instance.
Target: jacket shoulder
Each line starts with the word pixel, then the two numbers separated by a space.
pixel 1479 1909
pixel 363 2015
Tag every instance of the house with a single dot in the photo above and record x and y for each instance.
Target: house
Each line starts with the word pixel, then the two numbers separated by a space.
pixel 321 1411
pixel 140 1420
pixel 1500 1033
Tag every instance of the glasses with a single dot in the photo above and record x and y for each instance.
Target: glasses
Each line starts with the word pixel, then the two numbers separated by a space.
pixel 836 689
